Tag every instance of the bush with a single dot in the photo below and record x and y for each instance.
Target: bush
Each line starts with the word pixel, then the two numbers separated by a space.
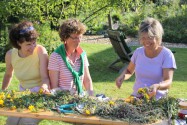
pixel 48 38
pixel 4 44
pixel 175 29
pixel 172 15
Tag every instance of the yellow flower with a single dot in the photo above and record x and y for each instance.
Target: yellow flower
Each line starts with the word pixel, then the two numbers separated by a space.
pixel 1 102
pixel 111 103
pixel 13 91
pixel 31 108
pixel 141 90
pixel 2 95
pixel 8 96
pixel 130 99
pixel 146 96
pixel 40 91
pixel 87 112
pixel 13 107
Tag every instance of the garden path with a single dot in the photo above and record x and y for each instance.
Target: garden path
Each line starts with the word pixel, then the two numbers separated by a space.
pixel 130 41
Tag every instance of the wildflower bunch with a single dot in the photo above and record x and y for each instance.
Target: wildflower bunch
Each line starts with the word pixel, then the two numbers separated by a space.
pixel 143 93
pixel 111 109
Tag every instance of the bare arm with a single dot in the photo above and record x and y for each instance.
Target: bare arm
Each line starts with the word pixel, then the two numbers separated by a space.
pixel 125 75
pixel 165 84
pixel 53 75
pixel 87 81
pixel 43 57
pixel 9 71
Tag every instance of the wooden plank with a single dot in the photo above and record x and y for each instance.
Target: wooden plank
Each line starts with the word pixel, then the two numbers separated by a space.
pixel 72 118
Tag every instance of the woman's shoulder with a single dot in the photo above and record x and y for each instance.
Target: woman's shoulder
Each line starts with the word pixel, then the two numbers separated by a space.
pixel 9 53
pixel 139 50
pixel 54 55
pixel 166 50
pixel 41 49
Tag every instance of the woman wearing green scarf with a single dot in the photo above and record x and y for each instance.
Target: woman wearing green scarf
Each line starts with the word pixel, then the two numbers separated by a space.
pixel 68 64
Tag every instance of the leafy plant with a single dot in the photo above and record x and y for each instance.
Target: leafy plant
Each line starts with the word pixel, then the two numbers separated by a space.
pixel 146 112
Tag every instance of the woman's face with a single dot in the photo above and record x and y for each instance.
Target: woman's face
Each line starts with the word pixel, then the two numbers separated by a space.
pixel 74 40
pixel 148 41
pixel 27 48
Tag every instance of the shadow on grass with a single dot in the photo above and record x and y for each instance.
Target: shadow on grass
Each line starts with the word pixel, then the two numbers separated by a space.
pixel 99 63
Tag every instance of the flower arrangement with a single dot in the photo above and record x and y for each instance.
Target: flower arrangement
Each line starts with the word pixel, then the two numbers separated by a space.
pixel 138 110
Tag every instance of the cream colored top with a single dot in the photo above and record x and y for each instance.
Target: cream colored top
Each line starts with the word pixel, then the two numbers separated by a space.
pixel 26 70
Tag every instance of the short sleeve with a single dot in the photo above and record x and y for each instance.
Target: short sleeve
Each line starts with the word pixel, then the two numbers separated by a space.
pixel 134 56
pixel 86 63
pixel 169 60
pixel 54 62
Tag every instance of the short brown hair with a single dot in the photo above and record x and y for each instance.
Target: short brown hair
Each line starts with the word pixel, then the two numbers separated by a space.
pixel 71 26
pixel 22 32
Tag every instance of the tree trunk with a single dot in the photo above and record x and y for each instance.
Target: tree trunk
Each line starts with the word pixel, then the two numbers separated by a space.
pixel 110 21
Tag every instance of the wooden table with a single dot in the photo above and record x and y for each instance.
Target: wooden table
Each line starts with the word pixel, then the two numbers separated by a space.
pixel 72 118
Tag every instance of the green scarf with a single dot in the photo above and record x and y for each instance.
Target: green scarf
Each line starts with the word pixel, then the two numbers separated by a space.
pixel 76 75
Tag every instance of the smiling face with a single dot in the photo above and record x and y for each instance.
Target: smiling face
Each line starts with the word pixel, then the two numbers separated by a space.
pixel 150 33
pixel 27 48
pixel 149 42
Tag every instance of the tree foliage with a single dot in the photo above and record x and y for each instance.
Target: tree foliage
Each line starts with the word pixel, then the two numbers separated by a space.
pixel 49 10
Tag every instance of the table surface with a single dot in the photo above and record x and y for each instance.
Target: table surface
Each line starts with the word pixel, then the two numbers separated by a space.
pixel 72 118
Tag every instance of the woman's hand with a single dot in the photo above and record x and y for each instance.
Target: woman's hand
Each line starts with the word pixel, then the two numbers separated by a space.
pixel 125 75
pixel 45 88
pixel 153 90
pixel 119 81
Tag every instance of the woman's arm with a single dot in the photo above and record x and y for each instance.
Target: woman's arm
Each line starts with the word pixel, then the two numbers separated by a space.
pixel 87 81
pixel 43 57
pixel 165 84
pixel 53 75
pixel 9 71
pixel 125 75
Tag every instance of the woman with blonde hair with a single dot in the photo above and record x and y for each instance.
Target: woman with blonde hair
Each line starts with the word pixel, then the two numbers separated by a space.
pixel 153 64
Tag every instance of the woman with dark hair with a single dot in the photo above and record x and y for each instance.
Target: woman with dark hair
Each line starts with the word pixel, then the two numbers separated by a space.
pixel 68 64
pixel 28 61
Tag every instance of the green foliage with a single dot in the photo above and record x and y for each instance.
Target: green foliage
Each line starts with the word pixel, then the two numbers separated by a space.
pixel 4 44
pixel 172 15
pixel 48 38
pixel 94 13
pixel 176 28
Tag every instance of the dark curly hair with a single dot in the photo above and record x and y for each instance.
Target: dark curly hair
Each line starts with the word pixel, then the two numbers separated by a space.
pixel 71 26
pixel 22 32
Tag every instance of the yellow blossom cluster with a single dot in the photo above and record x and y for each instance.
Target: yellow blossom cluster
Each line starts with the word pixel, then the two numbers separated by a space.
pixel 2 97
pixel 142 96
pixel 111 103
pixel 143 92
pixel 7 97
pixel 32 108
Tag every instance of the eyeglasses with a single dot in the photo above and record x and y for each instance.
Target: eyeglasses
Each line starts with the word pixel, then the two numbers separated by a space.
pixel 76 38
pixel 151 38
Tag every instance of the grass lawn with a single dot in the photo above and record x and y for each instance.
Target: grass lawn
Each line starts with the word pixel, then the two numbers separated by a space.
pixel 100 56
